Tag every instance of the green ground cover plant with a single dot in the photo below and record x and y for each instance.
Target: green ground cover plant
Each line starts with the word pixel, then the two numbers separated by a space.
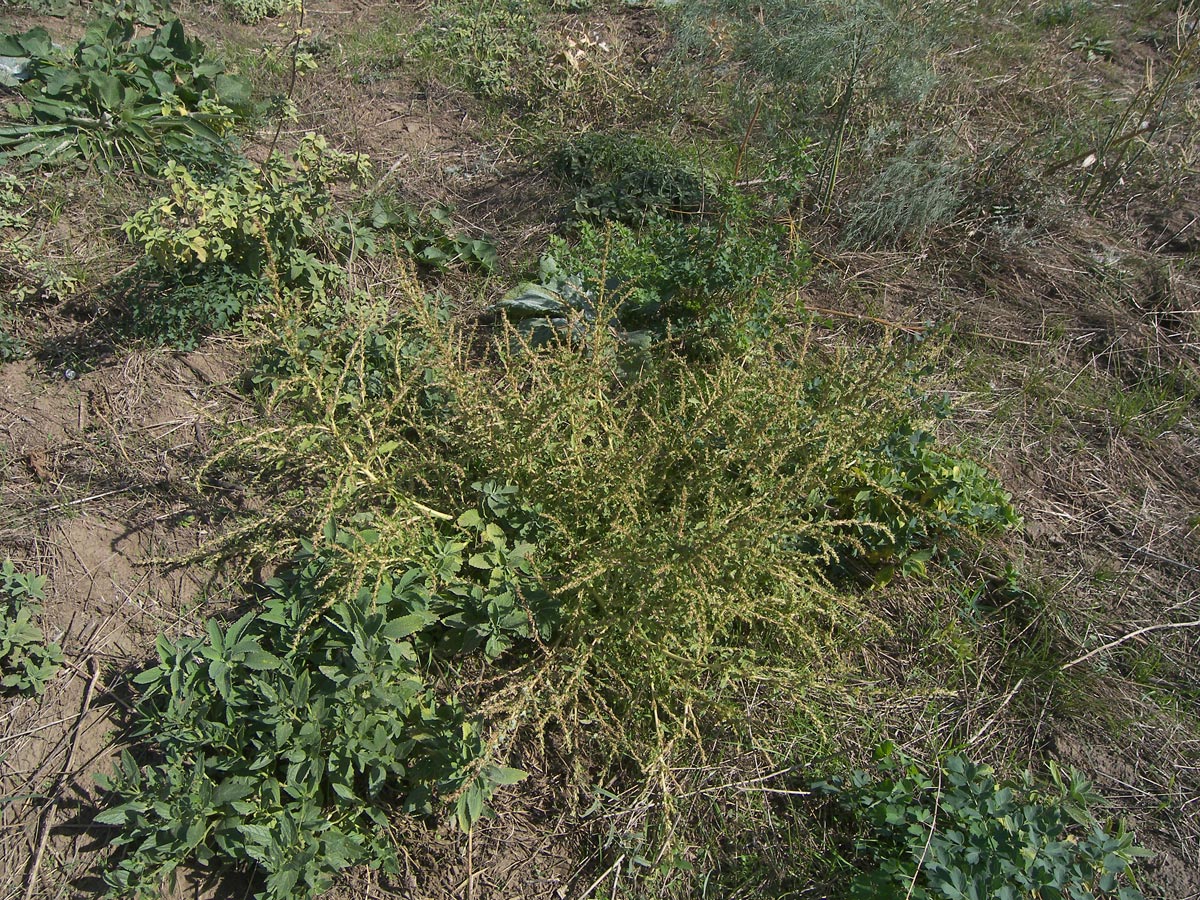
pixel 281 743
pixel 492 49
pixel 431 237
pixel 621 177
pixel 254 11
pixel 27 661
pixel 119 98
pixel 957 832
pixel 670 245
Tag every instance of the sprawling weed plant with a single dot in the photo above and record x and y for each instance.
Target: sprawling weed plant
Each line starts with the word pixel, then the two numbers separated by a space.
pixel 666 242
pixel 254 11
pixel 677 275
pixel 692 517
pixel 220 244
pixel 493 49
pixel 431 236
pixel 625 178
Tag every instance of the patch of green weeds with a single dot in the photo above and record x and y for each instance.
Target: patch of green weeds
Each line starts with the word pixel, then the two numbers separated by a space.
pixel 219 245
pixel 12 202
pixel 957 832
pixel 1062 12
pixel 27 661
pixel 750 451
pixel 664 243
pixel 669 274
pixel 626 178
pixel 376 53
pixel 283 741
pixel 119 98
pixel 492 48
pixel 1093 47
pixel 911 494
pixel 254 11
pixel 432 238
pixel 29 274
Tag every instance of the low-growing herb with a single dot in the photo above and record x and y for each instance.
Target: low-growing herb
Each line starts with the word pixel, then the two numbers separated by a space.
pixel 284 741
pixel 956 832
pixel 27 661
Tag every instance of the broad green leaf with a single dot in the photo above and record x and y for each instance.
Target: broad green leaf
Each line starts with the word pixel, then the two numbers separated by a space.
pixel 400 628
pixel 501 775
pixel 233 91
pixel 261 660
pixel 150 676
pixel 106 89
pixel 232 789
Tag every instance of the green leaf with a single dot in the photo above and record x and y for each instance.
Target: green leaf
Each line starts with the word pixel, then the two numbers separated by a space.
pixel 400 628
pixel 233 91
pixel 150 676
pixel 107 89
pixel 261 660
pixel 232 789
pixel 119 814
pixel 502 775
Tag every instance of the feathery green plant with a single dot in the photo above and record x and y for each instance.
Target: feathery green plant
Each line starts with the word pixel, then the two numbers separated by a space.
pixel 695 519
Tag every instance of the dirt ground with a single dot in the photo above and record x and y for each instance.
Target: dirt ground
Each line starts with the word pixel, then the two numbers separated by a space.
pixel 97 496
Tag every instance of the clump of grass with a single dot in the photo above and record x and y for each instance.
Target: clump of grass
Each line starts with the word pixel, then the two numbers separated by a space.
pixel 917 190
pixel 816 49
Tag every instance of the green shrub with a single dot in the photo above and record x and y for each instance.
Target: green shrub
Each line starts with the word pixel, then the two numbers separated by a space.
pixel 282 742
pixel 119 99
pixel 690 521
pixel 27 662
pixel 222 244
pixel 625 178
pixel 959 834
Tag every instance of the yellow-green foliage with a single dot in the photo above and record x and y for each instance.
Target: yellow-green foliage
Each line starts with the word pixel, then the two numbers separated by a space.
pixel 691 517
